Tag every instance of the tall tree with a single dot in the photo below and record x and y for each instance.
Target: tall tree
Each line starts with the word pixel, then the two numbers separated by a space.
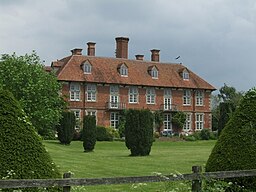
pixel 35 89
pixel 223 105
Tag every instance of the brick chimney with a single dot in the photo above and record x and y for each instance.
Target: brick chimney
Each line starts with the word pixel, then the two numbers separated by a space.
pixel 155 55
pixel 91 49
pixel 139 57
pixel 122 47
pixel 76 51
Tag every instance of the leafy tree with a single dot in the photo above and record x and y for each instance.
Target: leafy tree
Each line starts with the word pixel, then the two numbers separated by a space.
pixel 36 90
pixel 230 94
pixel 89 133
pixel 66 128
pixel 223 105
pixel 236 146
pixel 23 155
pixel 139 132
pixel 179 119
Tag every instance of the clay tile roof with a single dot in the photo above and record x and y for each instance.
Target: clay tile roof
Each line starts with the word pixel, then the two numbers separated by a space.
pixel 104 70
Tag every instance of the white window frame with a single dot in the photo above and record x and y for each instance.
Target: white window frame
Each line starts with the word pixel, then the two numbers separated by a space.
pixel 199 96
pixel 133 94
pixel 74 91
pixel 114 119
pixel 91 92
pixel 150 95
pixel 167 99
pixel 77 113
pixel 87 68
pixel 186 97
pixel 188 123
pixel 167 121
pixel 185 75
pixel 154 73
pixel 123 71
pixel 114 96
pixel 199 121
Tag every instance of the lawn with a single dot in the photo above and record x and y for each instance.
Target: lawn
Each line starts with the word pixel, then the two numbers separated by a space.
pixel 111 159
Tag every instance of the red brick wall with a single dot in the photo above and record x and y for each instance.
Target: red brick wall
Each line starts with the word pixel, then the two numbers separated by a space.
pixel 103 115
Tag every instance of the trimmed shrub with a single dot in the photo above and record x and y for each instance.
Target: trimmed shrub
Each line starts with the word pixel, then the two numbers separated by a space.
pixel 236 146
pixel 23 155
pixel 205 134
pixel 139 132
pixel 113 132
pixel 89 133
pixel 102 134
pixel 66 128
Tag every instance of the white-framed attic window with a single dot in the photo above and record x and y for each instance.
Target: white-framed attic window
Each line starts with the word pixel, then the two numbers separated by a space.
pixel 185 74
pixel 87 67
pixel 153 71
pixel 123 70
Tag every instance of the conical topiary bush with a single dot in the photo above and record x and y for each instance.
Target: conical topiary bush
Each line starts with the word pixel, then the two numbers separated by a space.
pixel 23 155
pixel 236 146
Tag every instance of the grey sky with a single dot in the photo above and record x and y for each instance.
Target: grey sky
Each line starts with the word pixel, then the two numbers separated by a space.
pixel 215 38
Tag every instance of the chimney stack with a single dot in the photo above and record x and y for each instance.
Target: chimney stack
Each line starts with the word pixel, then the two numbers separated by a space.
pixel 139 57
pixel 155 55
pixel 122 47
pixel 76 51
pixel 91 49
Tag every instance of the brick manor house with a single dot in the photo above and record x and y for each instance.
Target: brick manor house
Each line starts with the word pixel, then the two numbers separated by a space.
pixel 104 86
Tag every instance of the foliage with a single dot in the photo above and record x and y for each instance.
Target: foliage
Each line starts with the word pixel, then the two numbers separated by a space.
pixel 66 128
pixel 23 156
pixel 139 132
pixel 36 90
pixel 89 133
pixel 102 134
pixel 158 117
pixel 230 94
pixel 113 132
pixel 236 146
pixel 121 124
pixel 226 109
pixel 205 134
pixel 179 119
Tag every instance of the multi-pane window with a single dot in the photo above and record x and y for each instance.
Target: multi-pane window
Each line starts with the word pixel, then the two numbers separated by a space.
pixel 150 95
pixel 91 92
pixel 87 68
pixel 199 121
pixel 114 119
pixel 199 98
pixel 167 121
pixel 91 113
pixel 114 96
pixel 154 73
pixel 187 97
pixel 187 124
pixel 77 115
pixel 185 75
pixel 167 99
pixel 123 70
pixel 74 91
pixel 133 95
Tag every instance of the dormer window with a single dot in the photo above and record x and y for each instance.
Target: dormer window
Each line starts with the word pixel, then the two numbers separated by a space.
pixel 185 74
pixel 153 71
pixel 87 67
pixel 123 70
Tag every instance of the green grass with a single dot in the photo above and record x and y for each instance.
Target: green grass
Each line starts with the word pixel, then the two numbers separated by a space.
pixel 111 159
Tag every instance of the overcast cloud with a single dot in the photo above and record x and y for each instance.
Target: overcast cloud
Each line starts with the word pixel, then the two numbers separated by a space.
pixel 215 38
